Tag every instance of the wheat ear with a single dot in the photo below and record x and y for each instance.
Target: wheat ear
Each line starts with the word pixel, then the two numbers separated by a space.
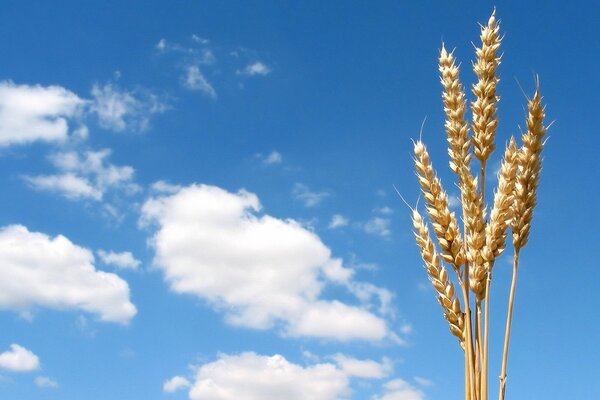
pixel 443 221
pixel 438 275
pixel 495 242
pixel 501 214
pixel 457 130
pixel 484 107
pixel 529 159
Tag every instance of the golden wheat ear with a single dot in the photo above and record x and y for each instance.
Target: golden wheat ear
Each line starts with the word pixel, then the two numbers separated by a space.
pixel 438 275
pixel 484 106
pixel 501 214
pixel 443 221
pixel 528 176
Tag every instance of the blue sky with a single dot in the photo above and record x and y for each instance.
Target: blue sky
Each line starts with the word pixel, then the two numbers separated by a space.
pixel 198 199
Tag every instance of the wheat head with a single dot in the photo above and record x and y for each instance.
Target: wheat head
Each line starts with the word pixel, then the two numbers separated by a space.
pixel 438 275
pixel 443 221
pixel 529 172
pixel 484 106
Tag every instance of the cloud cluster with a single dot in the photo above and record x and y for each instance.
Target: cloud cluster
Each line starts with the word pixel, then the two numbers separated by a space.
pixel 261 271
pixel 85 176
pixel 30 113
pixel 251 376
pixel 40 271
pixel 36 113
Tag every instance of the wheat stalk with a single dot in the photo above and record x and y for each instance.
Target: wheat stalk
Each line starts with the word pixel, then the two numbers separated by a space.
pixel 525 198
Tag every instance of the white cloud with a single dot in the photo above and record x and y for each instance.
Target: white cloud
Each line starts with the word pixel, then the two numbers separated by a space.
pixel 250 376
pixel 309 198
pixel 32 113
pixel 257 270
pixel 19 359
pixel 195 80
pixel 124 260
pixel 454 202
pixel 378 226
pixel 161 45
pixel 384 210
pixel 255 68
pixel 338 221
pixel 200 40
pixel 85 176
pixel 175 383
pixel 368 369
pixel 274 157
pixel 120 110
pixel 399 389
pixel 69 185
pixel 165 187
pixel 38 270
pixel 45 383
pixel 423 381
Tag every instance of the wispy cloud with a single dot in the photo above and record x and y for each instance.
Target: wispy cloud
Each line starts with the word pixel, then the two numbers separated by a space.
pixel 273 158
pixel 85 176
pixel 378 226
pixel 195 80
pixel 338 221
pixel 120 110
pixel 45 382
pixel 255 68
pixel 123 260
pixel 310 198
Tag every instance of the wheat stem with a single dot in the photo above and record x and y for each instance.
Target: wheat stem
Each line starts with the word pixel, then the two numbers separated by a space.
pixel 511 300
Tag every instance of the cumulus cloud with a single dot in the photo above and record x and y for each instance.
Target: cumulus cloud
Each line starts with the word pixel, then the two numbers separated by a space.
pixel 40 271
pixel 175 383
pixel 338 221
pixel 399 389
pixel 45 383
pixel 195 80
pixel 303 193
pixel 368 369
pixel 255 68
pixel 258 270
pixel 250 376
pixel 19 359
pixel 378 226
pixel 36 113
pixel 124 260
pixel 85 176
pixel 119 110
